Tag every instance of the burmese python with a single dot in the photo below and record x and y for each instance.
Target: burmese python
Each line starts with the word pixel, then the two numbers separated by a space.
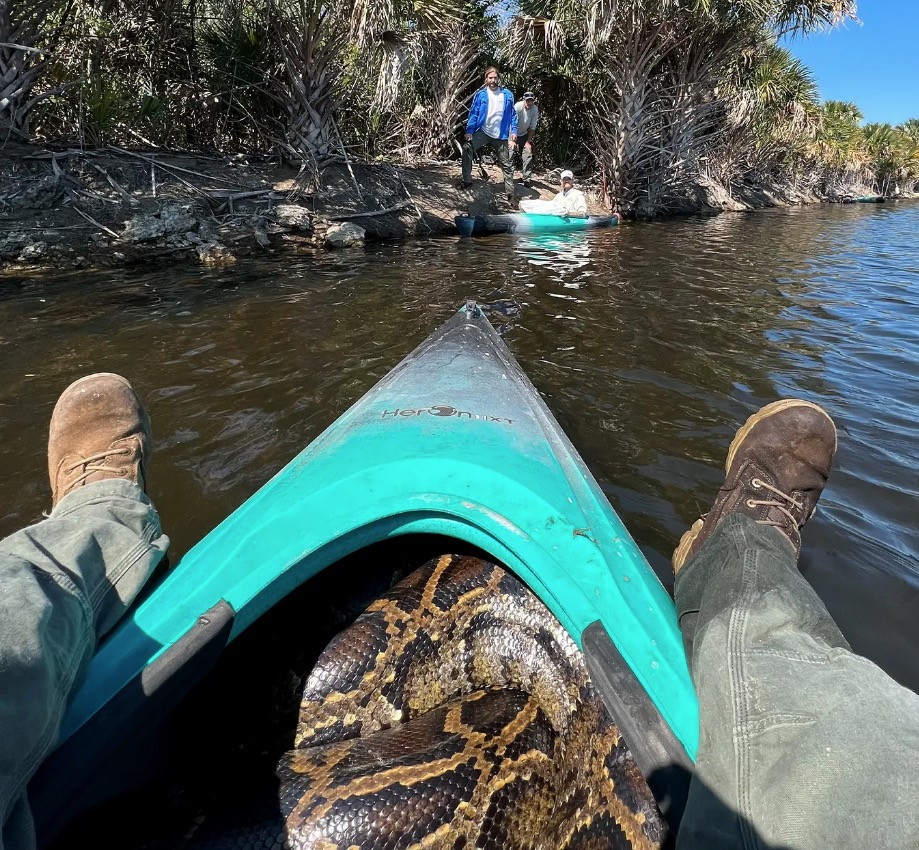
pixel 456 712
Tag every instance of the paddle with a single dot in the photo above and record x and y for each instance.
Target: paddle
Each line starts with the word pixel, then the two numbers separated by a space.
pixel 478 159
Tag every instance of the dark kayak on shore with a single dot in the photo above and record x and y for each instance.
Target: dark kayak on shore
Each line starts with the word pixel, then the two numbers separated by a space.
pixel 866 199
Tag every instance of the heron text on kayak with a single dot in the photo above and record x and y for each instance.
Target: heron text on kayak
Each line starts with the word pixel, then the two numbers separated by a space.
pixel 443 410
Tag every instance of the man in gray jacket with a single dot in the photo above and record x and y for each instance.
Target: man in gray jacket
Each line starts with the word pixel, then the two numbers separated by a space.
pixel 527 118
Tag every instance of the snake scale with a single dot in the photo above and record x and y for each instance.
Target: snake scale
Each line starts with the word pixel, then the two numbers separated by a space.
pixel 454 713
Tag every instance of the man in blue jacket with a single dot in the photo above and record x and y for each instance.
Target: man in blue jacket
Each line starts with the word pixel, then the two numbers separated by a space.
pixel 492 123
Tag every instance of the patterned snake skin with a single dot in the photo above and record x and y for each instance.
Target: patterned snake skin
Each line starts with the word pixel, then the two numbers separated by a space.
pixel 456 712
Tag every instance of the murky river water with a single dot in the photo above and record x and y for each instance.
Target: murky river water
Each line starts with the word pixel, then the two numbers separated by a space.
pixel 650 342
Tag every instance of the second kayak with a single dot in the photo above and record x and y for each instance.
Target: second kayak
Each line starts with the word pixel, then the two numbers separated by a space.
pixel 480 225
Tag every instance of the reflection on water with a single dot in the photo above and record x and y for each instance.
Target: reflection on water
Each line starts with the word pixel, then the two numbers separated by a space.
pixel 563 255
pixel 650 342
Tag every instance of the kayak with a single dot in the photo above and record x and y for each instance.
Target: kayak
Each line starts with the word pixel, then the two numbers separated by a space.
pixel 866 199
pixel 480 225
pixel 454 441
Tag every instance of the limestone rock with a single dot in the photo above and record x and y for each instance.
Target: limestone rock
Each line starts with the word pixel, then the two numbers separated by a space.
pixel 33 252
pixel 13 243
pixel 294 216
pixel 172 220
pixel 344 234
pixel 212 254
pixel 178 218
pixel 41 194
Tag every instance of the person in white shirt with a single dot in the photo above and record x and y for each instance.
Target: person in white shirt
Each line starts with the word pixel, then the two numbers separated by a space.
pixel 527 118
pixel 492 123
pixel 570 202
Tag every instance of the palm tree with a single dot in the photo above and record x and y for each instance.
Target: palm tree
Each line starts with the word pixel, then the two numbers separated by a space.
pixel 448 69
pixel 659 72
pixel 909 135
pixel 840 139
pixel 773 115
pixel 910 129
pixel 785 93
pixel 314 38
pixel 28 36
pixel 426 78
pixel 893 153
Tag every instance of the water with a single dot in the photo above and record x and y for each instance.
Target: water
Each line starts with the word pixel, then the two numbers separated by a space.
pixel 651 343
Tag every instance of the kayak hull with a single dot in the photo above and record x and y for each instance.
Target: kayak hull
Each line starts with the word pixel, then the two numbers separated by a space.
pixel 866 199
pixel 482 225
pixel 454 441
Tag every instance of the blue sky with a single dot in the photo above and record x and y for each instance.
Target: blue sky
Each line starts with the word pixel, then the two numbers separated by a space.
pixel 875 63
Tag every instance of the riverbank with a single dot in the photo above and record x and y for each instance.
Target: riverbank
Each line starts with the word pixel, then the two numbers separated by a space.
pixel 72 209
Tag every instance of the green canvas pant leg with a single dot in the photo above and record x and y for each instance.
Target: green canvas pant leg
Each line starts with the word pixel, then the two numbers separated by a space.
pixel 63 583
pixel 803 743
pixel 471 149
pixel 507 167
pixel 467 161
pixel 526 160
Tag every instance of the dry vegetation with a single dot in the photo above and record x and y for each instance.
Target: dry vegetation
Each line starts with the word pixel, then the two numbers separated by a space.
pixel 653 97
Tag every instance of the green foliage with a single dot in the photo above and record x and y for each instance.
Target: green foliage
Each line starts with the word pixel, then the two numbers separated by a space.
pixel 892 152
pixel 105 104
pixel 667 85
pixel 877 154
pixel 840 140
pixel 783 82
pixel 234 51
pixel 910 129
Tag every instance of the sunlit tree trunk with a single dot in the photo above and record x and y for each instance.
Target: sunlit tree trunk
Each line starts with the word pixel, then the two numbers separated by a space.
pixel 450 64
pixel 307 37
pixel 25 41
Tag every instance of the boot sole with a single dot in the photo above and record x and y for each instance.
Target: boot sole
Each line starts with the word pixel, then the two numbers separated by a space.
pixel 765 413
pixel 681 553
pixel 95 375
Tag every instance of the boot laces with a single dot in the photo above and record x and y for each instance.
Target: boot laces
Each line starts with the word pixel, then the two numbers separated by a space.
pixel 95 463
pixel 787 501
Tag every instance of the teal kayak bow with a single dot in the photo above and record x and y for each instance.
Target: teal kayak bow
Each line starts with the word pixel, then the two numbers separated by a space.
pixel 454 441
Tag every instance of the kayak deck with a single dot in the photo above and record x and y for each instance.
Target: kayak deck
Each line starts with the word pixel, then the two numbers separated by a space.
pixel 529 223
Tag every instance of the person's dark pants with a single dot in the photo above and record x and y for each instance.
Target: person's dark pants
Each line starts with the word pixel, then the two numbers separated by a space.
pixel 64 582
pixel 803 743
pixel 526 157
pixel 481 140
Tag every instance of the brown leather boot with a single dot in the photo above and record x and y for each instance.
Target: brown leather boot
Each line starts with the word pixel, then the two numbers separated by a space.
pixel 99 430
pixel 777 467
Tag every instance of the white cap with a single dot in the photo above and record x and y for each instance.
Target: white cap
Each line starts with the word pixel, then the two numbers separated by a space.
pixel 567 173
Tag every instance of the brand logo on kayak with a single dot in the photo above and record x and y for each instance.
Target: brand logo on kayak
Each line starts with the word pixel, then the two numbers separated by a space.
pixel 443 410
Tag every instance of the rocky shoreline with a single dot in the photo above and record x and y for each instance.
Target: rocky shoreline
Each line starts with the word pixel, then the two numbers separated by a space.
pixel 78 209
